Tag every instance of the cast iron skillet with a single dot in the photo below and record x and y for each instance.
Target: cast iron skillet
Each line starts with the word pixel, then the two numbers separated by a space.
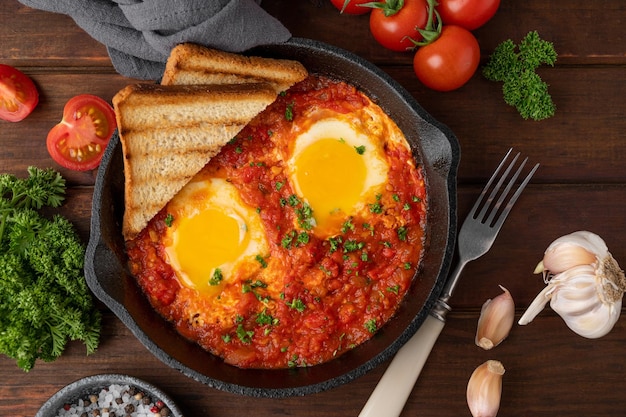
pixel 435 148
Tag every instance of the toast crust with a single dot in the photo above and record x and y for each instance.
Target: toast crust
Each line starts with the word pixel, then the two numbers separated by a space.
pixel 190 63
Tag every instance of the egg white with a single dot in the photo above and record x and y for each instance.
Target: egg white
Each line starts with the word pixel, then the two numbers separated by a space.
pixel 365 138
pixel 214 194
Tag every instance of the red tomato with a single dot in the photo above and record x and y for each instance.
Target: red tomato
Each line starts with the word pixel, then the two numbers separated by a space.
pixel 18 94
pixel 351 6
pixel 448 62
pixel 395 30
pixel 80 139
pixel 470 14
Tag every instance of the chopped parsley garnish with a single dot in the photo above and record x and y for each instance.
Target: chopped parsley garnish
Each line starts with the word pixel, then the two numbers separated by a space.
pixel 402 233
pixel 347 225
pixel 334 243
pixel 287 240
pixel 303 238
pixel 261 260
pixel 305 216
pixel 279 185
pixel 250 286
pixel 360 149
pixel 289 112
pixel 395 289
pixel 293 362
pixel 263 318
pixel 300 239
pixel 169 219
pixel 352 245
pixel 297 304
pixel 370 325
pixel 244 335
pixel 407 265
pixel 377 207
pixel 216 277
pixel 293 200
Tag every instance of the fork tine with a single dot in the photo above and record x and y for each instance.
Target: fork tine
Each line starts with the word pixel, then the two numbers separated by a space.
pixel 507 208
pixel 506 191
pixel 479 200
pixel 497 187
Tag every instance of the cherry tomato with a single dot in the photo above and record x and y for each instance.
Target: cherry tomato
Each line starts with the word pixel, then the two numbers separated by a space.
pixel 448 62
pixel 351 6
pixel 395 30
pixel 18 94
pixel 80 139
pixel 470 14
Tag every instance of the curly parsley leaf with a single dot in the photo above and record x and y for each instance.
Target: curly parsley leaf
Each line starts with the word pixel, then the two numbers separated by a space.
pixel 44 299
pixel 516 67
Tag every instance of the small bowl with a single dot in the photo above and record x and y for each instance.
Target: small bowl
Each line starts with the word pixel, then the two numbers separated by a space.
pixel 434 147
pixel 82 388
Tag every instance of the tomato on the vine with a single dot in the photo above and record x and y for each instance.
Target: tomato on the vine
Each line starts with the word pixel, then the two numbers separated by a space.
pixel 79 140
pixel 351 6
pixel 449 61
pixel 470 14
pixel 18 94
pixel 393 23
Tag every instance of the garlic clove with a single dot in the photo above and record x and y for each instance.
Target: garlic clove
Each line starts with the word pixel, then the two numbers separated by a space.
pixel 578 248
pixel 484 389
pixel 496 319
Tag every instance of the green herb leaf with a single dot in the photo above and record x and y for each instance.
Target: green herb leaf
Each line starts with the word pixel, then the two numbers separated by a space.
pixel 522 87
pixel 44 299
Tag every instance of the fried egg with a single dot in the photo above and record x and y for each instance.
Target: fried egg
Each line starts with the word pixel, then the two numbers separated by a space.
pixel 338 166
pixel 214 236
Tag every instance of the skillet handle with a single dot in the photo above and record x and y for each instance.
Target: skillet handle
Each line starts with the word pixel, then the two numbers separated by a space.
pixel 396 384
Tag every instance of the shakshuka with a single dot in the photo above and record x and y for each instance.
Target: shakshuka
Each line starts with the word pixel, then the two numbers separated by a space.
pixel 298 241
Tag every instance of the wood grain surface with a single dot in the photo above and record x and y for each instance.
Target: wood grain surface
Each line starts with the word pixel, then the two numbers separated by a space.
pixel 581 184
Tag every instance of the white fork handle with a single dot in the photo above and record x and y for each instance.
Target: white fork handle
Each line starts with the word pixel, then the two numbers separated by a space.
pixel 396 384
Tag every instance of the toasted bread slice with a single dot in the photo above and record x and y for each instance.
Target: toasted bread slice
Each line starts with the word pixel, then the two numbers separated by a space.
pixel 169 133
pixel 190 63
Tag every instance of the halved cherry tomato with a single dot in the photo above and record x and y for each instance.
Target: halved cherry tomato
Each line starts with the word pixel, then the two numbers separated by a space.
pixel 449 61
pixel 393 23
pixel 18 94
pixel 80 139
pixel 351 6
pixel 470 14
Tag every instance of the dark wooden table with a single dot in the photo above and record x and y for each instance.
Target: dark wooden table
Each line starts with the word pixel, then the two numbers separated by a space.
pixel 581 184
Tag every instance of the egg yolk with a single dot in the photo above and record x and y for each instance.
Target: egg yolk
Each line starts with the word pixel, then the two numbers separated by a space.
pixel 330 174
pixel 205 242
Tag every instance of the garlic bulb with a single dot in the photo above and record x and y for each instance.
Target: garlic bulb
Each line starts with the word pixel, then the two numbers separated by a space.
pixel 496 319
pixel 484 389
pixel 585 285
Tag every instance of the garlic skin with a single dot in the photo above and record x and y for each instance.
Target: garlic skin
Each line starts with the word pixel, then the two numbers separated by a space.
pixel 496 320
pixel 585 285
pixel 484 389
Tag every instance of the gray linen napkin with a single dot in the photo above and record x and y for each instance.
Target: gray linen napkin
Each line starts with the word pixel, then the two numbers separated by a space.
pixel 140 34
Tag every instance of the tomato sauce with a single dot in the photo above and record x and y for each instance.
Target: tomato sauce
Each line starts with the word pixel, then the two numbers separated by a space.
pixel 319 298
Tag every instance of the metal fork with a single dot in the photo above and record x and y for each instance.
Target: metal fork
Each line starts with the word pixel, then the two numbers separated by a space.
pixel 477 234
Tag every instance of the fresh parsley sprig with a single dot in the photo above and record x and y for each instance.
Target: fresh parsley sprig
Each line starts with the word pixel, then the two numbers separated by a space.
pixel 516 67
pixel 44 299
